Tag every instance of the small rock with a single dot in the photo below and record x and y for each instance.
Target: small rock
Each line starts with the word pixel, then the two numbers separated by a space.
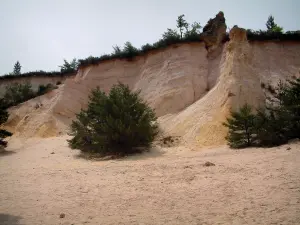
pixel 62 215
pixel 230 94
pixel 187 167
pixel 52 153
pixel 209 164
pixel 289 148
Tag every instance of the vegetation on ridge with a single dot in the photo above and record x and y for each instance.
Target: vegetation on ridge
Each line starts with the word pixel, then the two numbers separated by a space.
pixel 190 33
pixel 184 33
pixel 67 69
pixel 17 93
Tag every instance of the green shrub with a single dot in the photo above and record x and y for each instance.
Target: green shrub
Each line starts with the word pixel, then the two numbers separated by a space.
pixel 272 126
pixel 3 119
pixel 241 126
pixel 43 89
pixel 114 123
pixel 288 98
pixel 69 67
pixel 17 93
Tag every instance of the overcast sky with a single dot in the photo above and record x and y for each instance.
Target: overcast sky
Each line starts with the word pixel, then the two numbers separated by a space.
pixel 41 33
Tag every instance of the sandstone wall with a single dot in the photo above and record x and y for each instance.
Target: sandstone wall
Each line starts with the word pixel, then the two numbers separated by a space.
pixel 191 91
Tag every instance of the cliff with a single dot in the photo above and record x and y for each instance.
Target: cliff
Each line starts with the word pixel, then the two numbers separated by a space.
pixel 192 90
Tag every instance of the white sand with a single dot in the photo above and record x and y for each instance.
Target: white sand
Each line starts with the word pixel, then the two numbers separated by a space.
pixel 164 186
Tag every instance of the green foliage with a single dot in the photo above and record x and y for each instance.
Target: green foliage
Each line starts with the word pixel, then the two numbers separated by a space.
pixel 193 32
pixel 40 73
pixel 17 93
pixel 17 68
pixel 3 119
pixel 272 26
pixel 181 24
pixel 241 126
pixel 171 35
pixel 129 50
pixel 3 112
pixel 187 33
pixel 117 51
pixel 69 67
pixel 272 36
pixel 288 98
pixel 273 126
pixel 114 123
pixel 43 89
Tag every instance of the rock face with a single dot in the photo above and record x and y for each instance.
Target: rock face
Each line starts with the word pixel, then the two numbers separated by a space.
pixel 191 93
pixel 214 32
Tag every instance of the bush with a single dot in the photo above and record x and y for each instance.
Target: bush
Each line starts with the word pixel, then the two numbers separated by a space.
pixel 69 67
pixel 117 123
pixel 241 128
pixel 271 128
pixel 17 93
pixel 271 36
pixel 3 119
pixel 58 83
pixel 43 89
pixel 288 98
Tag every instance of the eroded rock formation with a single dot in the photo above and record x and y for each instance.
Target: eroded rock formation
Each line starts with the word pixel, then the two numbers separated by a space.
pixel 214 32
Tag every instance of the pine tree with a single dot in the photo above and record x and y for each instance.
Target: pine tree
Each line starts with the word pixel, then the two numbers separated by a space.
pixel 69 67
pixel 17 68
pixel 117 50
pixel 272 26
pixel 129 50
pixel 181 24
pixel 272 127
pixel 116 123
pixel 270 23
pixel 287 97
pixel 241 126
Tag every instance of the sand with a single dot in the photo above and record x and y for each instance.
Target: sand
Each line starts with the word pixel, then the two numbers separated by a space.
pixel 42 179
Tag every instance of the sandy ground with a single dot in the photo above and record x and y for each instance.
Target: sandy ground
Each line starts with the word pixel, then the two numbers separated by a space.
pixel 164 186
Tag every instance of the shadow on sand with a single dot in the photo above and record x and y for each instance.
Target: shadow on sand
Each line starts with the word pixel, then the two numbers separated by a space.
pixel 7 219
pixel 154 152
pixel 4 153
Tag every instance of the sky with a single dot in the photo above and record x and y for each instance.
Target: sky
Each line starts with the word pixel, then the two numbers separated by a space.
pixel 41 33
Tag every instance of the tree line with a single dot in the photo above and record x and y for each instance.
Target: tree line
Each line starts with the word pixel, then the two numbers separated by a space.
pixel 184 32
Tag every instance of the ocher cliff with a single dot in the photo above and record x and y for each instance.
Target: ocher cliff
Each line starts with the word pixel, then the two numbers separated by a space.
pixel 191 88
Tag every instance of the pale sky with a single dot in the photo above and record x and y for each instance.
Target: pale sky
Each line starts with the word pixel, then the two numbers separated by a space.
pixel 41 33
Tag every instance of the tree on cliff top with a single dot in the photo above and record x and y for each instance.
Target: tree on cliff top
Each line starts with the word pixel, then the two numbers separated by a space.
pixel 69 67
pixel 17 68
pixel 181 24
pixel 272 26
